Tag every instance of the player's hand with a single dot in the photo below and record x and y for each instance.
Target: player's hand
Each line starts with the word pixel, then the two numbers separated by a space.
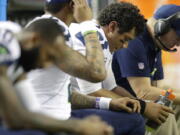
pixel 126 104
pixel 82 11
pixel 157 112
pixel 93 125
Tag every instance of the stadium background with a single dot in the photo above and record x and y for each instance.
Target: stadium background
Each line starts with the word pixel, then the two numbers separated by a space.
pixel 22 11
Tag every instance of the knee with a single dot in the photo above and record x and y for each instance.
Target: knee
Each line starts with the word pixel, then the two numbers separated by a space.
pixel 137 119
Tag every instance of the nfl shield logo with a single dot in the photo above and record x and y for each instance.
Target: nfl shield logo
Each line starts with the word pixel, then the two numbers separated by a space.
pixel 141 65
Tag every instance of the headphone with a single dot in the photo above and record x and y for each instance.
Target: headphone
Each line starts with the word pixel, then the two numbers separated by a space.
pixel 162 26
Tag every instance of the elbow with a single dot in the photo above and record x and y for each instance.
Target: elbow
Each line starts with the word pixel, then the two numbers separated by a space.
pixel 96 77
pixel 143 93
pixel 15 125
pixel 18 123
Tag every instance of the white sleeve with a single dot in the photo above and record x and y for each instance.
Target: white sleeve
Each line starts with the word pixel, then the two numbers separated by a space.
pixel 26 94
pixel 80 85
pixel 109 83
pixel 85 87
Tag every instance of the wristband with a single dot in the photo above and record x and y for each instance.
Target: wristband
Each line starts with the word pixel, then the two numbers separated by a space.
pixel 103 103
pixel 88 27
pixel 143 105
pixel 97 103
pixel 89 32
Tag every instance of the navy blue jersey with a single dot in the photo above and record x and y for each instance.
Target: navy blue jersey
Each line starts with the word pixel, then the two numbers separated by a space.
pixel 140 59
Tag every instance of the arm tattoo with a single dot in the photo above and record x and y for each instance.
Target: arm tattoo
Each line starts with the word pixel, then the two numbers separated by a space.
pixel 90 67
pixel 80 101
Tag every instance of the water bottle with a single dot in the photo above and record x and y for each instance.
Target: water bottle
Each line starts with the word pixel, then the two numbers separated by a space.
pixel 165 98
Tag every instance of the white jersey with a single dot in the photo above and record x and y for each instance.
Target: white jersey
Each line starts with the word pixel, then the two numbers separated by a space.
pixel 9 46
pixel 52 84
pixel 61 23
pixel 83 86
pixel 9 55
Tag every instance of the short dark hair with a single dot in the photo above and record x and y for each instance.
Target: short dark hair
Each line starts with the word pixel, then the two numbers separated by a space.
pixel 55 7
pixel 48 29
pixel 125 14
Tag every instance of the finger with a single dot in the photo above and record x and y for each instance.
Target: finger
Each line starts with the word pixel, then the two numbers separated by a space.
pixel 75 2
pixel 162 118
pixel 94 118
pixel 126 108
pixel 109 130
pixel 139 107
pixel 158 121
pixel 81 2
pixel 135 107
pixel 164 113
pixel 133 104
pixel 84 2
pixel 167 109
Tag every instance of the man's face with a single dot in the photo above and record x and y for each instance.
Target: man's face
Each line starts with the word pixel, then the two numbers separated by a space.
pixel 118 41
pixel 170 39
pixel 49 52
pixel 38 53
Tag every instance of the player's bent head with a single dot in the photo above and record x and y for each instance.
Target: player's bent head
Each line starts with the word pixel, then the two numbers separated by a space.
pixel 40 42
pixel 125 14
pixel 55 6
pixel 45 29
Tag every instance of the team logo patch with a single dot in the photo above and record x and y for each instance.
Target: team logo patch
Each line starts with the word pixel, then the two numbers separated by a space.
pixel 3 50
pixel 141 65
pixel 155 60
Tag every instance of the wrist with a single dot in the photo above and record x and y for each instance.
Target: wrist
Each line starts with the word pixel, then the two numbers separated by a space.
pixel 102 103
pixel 88 27
pixel 143 105
pixel 74 129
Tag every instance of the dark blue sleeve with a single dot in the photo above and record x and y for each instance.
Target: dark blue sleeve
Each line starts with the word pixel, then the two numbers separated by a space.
pixel 159 74
pixel 133 60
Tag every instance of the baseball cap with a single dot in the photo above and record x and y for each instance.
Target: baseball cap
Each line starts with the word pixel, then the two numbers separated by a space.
pixel 167 10
pixel 56 1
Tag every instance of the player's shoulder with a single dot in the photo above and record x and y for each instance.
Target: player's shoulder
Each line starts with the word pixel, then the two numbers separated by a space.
pixel 136 46
pixel 11 26
pixel 48 16
pixel 74 28
pixel 9 46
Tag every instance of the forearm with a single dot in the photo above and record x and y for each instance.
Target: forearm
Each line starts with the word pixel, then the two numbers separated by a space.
pixel 48 124
pixel 17 117
pixel 76 64
pixel 12 109
pixel 148 93
pixel 94 55
pixel 152 93
pixel 105 93
pixel 80 101
pixel 122 92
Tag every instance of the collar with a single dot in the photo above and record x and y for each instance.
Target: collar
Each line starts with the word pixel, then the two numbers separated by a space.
pixel 150 41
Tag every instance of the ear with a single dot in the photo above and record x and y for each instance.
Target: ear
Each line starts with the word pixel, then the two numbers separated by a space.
pixel 71 6
pixel 28 40
pixel 112 26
